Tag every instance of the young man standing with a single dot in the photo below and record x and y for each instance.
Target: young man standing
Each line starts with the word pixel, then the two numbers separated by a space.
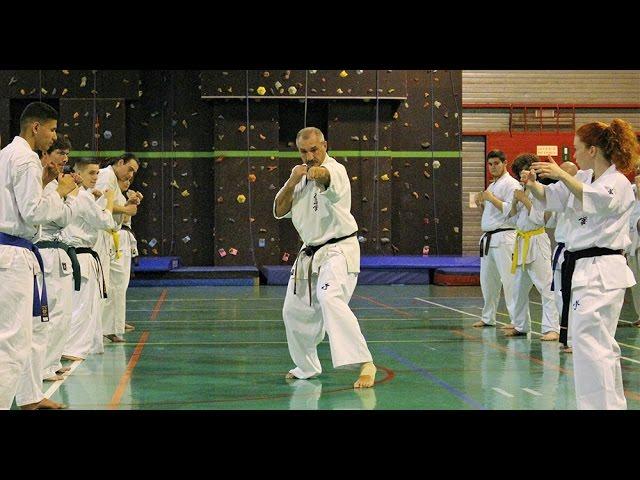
pixel 498 239
pixel 23 206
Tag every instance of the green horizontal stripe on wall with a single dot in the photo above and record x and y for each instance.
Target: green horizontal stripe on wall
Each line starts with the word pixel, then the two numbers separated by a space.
pixel 270 153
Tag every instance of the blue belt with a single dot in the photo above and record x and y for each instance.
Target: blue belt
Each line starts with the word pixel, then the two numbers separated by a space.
pixel 40 306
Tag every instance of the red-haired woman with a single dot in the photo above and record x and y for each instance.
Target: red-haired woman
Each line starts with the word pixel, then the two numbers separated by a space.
pixel 597 202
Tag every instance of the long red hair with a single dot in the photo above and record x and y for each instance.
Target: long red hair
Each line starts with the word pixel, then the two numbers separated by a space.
pixel 618 143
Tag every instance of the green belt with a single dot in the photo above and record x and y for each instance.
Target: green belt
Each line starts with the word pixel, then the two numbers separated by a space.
pixel 71 251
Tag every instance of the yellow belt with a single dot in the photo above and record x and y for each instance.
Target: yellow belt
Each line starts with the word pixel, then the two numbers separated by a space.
pixel 116 242
pixel 527 236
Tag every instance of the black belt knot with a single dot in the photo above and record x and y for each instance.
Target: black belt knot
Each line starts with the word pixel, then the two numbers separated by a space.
pixel 486 239
pixel 311 250
pixel 96 257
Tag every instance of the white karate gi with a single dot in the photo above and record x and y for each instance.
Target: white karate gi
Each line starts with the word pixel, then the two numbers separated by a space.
pixel 320 215
pixel 42 363
pixel 85 332
pixel 112 316
pixel 633 259
pixel 105 247
pixel 495 266
pixel 121 275
pixel 599 283
pixel 536 271
pixel 23 205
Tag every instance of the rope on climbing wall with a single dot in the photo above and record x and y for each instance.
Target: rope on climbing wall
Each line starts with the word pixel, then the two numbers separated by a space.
pixel 249 193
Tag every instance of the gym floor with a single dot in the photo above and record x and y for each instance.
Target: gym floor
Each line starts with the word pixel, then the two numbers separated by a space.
pixel 225 348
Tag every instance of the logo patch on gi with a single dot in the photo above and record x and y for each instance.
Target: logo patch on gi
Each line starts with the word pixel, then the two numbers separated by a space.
pixel 315 202
pixel 582 220
pixel 576 304
pixel 325 286
pixel 610 190
pixel 64 266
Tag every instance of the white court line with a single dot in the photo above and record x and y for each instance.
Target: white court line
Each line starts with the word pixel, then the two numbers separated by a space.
pixel 620 320
pixel 630 359
pixel 448 308
pixel 502 392
pixel 56 385
pixel 279 320
pixel 532 392
pixel 506 315
pixel 538 323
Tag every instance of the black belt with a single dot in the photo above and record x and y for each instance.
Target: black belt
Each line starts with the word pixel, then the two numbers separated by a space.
pixel 487 240
pixel 554 263
pixel 311 251
pixel 128 229
pixel 568 267
pixel 95 255
pixel 71 251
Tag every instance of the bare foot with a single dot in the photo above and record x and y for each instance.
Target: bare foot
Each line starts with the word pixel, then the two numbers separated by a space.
pixel 636 323
pixel 46 404
pixel 567 350
pixel 290 376
pixel 509 326
pixel 480 323
pixel 129 328
pixel 71 357
pixel 63 370
pixel 114 338
pixel 367 376
pixel 512 332
pixel 550 336
pixel 54 378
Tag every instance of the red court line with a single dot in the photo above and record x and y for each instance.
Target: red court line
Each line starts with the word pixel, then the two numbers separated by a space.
pixel 158 305
pixel 137 352
pixel 388 307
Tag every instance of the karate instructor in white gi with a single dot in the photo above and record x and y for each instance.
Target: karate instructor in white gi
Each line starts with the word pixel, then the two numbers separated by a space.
pixel 317 197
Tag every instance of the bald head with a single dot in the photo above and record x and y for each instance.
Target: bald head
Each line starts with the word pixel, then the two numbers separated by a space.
pixel 570 168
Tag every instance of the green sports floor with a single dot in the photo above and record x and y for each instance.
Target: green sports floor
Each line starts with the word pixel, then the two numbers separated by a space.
pixel 225 348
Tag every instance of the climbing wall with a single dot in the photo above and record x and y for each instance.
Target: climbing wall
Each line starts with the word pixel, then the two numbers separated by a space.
pixel 245 184
pixel 93 125
pixel 5 120
pixel 427 184
pixel 211 161
pixel 352 128
pixel 172 128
